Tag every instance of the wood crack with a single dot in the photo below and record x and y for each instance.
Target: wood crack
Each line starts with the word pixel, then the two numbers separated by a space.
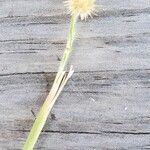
pixel 89 132
pixel 100 71
pixel 21 20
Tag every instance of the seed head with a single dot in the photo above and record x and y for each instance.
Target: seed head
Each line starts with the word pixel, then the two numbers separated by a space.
pixel 81 8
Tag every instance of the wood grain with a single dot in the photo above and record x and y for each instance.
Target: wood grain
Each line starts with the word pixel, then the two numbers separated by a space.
pixel 106 103
pixel 115 40
pixel 93 104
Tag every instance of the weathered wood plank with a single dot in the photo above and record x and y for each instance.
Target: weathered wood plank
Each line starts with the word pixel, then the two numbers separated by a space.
pixel 67 141
pixel 50 8
pixel 118 38
pixel 104 105
pixel 100 42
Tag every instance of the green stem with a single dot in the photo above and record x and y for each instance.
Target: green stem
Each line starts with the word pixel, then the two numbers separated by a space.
pixel 49 102
pixel 70 41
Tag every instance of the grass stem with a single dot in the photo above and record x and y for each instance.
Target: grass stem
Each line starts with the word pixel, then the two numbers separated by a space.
pixel 59 82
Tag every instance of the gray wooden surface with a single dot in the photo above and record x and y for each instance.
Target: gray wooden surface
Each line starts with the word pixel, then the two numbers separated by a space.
pixel 105 105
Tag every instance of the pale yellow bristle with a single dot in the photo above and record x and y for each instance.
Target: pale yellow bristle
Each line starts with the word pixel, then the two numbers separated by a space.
pixel 81 8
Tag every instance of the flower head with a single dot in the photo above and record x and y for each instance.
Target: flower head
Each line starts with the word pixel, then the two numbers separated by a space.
pixel 81 8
